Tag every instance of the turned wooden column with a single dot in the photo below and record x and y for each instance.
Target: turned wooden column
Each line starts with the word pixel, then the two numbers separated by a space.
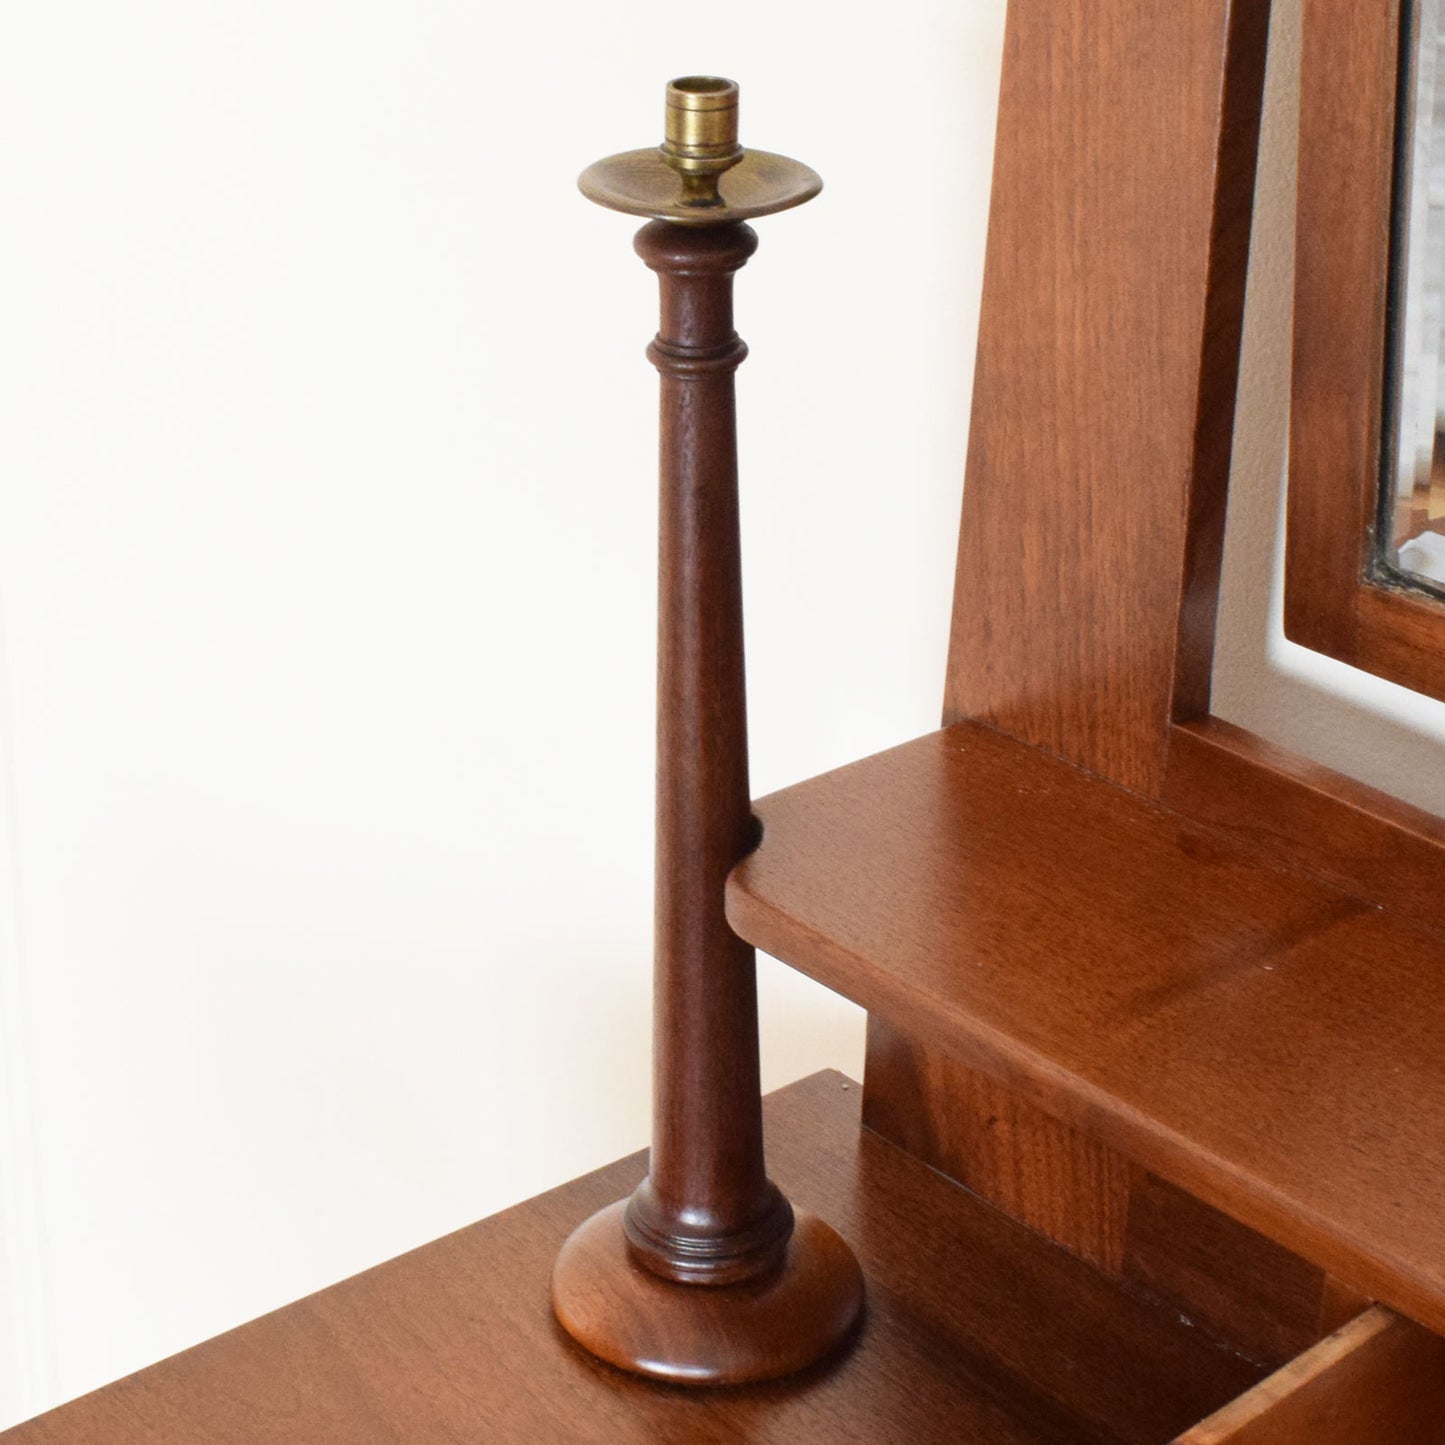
pixel 707 1212
pixel 705 1275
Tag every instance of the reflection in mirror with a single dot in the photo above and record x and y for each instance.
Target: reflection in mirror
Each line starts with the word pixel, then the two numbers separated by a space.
pixel 1412 522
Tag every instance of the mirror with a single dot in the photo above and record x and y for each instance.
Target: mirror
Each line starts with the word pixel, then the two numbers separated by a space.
pixel 1411 533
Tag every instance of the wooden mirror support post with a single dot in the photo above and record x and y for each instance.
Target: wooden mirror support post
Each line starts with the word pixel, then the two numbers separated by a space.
pixel 705 1275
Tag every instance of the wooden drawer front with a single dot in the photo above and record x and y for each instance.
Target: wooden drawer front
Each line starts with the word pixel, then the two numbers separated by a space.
pixel 1380 1380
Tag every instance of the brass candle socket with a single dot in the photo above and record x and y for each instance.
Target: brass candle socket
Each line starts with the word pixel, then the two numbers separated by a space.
pixel 701 134
pixel 699 175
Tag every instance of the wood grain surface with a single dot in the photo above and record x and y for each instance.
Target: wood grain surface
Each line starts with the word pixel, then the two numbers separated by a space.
pixel 977 1330
pixel 1379 1380
pixel 1108 356
pixel 1072 1189
pixel 1298 812
pixel 1261 1298
pixel 1268 1043
pixel 703 1276
pixel 707 1210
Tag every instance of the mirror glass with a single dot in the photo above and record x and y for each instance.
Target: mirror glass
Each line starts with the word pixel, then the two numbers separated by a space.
pixel 1411 530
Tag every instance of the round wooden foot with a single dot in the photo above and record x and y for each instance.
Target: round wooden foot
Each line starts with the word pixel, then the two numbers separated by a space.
pixel 707 1334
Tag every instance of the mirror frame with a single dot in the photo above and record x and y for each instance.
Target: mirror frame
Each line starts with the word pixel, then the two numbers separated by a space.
pixel 1337 599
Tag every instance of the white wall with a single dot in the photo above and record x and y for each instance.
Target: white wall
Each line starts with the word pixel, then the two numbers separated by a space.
pixel 326 566
pixel 326 552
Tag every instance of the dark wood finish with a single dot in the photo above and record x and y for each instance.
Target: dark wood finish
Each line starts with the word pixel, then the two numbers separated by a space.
pixel 1099 457
pixel 977 1330
pixel 1107 364
pixel 1068 1187
pixel 1354 836
pixel 1259 1297
pixel 707 1210
pixel 1379 1381
pixel 733 1292
pixel 1261 1040
pixel 1348 82
pixel 761 1329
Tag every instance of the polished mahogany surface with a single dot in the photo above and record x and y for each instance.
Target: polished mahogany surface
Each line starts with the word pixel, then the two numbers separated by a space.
pixel 977 1330
pixel 1108 359
pixel 1378 1378
pixel 1254 1035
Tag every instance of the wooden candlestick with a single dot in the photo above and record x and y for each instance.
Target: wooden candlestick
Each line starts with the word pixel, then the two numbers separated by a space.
pixel 706 1275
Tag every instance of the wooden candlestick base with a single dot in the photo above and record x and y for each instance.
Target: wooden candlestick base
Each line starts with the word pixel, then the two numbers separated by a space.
pixel 707 1334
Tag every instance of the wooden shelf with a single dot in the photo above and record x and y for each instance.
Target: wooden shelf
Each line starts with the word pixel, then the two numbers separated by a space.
pixel 976 1330
pixel 1256 1036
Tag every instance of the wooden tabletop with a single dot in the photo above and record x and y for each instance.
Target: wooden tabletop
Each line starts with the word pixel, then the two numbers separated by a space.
pixel 1268 1042
pixel 977 1330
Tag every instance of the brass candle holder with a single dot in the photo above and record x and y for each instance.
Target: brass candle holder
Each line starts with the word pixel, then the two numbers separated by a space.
pixel 706 1275
pixel 681 181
